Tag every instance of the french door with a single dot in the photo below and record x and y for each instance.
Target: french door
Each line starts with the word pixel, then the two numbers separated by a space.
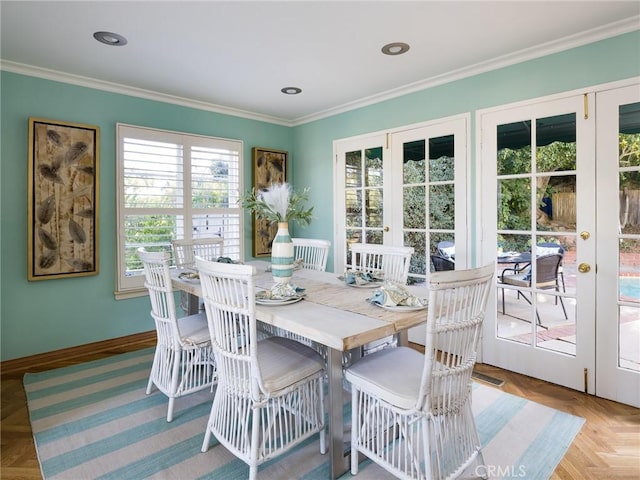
pixel 538 183
pixel 566 172
pixel 405 187
pixel 618 295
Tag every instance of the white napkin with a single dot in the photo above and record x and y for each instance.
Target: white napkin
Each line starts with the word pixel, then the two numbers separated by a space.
pixel 392 294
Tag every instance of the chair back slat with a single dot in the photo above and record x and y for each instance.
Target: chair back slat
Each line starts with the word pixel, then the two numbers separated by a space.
pixel 313 252
pixel 186 250
pixel 161 295
pixel 457 307
pixel 393 261
pixel 229 298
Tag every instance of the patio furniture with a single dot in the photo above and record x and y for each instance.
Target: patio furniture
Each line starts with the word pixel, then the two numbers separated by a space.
pixel 270 392
pixel 183 361
pixel 418 424
pixel 546 273
pixel 447 249
pixel 442 264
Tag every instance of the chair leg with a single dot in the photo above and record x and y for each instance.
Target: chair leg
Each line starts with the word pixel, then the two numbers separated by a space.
pixel 566 317
pixel 355 428
pixel 172 401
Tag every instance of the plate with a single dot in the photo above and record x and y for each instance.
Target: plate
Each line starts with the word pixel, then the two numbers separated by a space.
pixel 191 280
pixel 365 285
pixel 402 308
pixel 189 277
pixel 278 301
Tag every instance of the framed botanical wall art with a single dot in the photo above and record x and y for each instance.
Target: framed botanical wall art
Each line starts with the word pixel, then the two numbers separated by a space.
pixel 63 190
pixel 269 166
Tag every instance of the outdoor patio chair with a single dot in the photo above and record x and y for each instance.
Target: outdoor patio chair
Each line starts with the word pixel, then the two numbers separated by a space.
pixel 447 249
pixel 546 272
pixel 411 412
pixel 270 392
pixel 183 361
pixel 546 248
pixel 442 264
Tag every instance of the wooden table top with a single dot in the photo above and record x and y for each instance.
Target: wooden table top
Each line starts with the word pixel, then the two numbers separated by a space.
pixel 332 313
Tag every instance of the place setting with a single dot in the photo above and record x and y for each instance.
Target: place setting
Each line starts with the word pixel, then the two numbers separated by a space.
pixel 191 275
pixel 280 294
pixel 393 297
pixel 360 279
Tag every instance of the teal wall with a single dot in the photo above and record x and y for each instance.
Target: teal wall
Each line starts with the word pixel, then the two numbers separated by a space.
pixel 53 314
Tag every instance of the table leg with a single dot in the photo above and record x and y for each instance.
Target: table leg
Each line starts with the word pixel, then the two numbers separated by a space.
pixel 338 461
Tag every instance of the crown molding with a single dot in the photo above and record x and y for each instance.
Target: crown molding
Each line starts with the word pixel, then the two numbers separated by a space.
pixel 566 43
pixel 572 41
pixel 97 84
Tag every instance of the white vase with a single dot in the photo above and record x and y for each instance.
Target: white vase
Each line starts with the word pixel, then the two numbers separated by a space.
pixel 282 254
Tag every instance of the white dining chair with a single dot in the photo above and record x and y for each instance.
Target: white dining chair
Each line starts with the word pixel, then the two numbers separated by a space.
pixel 393 262
pixel 186 250
pixel 419 424
pixel 313 252
pixel 183 361
pixel 184 254
pixel 269 396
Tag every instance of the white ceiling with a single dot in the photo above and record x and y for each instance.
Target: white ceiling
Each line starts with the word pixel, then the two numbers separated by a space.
pixel 236 56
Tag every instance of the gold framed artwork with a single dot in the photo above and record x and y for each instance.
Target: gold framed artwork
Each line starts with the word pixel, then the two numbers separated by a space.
pixel 63 193
pixel 269 166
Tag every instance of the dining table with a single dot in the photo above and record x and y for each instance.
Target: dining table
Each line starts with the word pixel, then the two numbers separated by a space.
pixel 338 316
pixel 514 258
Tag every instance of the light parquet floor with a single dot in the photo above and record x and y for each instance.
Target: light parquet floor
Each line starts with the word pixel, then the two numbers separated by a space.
pixel 607 447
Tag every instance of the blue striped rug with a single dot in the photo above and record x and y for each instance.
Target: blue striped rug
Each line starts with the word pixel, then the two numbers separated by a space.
pixel 94 421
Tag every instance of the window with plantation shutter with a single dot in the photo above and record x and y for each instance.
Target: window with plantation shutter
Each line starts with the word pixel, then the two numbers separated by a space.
pixel 174 186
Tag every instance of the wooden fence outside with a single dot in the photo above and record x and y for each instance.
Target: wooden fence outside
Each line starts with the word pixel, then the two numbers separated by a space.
pixel 564 207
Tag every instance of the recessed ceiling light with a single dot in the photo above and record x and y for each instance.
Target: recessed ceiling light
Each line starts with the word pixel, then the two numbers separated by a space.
pixel 291 90
pixel 109 38
pixel 395 48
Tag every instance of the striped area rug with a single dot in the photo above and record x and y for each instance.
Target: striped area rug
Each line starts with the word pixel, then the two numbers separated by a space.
pixel 94 421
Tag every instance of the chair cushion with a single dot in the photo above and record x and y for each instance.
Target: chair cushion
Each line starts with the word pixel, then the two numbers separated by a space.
pixel 393 375
pixel 283 362
pixel 540 251
pixel 519 280
pixel 194 329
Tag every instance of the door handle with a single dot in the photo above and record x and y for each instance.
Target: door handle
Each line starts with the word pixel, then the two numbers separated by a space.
pixel 386 229
pixel 585 235
pixel 584 268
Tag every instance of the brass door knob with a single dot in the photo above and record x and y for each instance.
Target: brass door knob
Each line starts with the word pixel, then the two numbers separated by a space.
pixel 585 235
pixel 584 268
pixel 386 229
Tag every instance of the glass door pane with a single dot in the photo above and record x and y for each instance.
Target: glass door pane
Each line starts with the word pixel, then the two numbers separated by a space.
pixel 629 236
pixel 363 195
pixel 536 218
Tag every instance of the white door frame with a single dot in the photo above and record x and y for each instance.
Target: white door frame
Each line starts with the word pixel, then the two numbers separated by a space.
pixel 612 380
pixel 549 365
